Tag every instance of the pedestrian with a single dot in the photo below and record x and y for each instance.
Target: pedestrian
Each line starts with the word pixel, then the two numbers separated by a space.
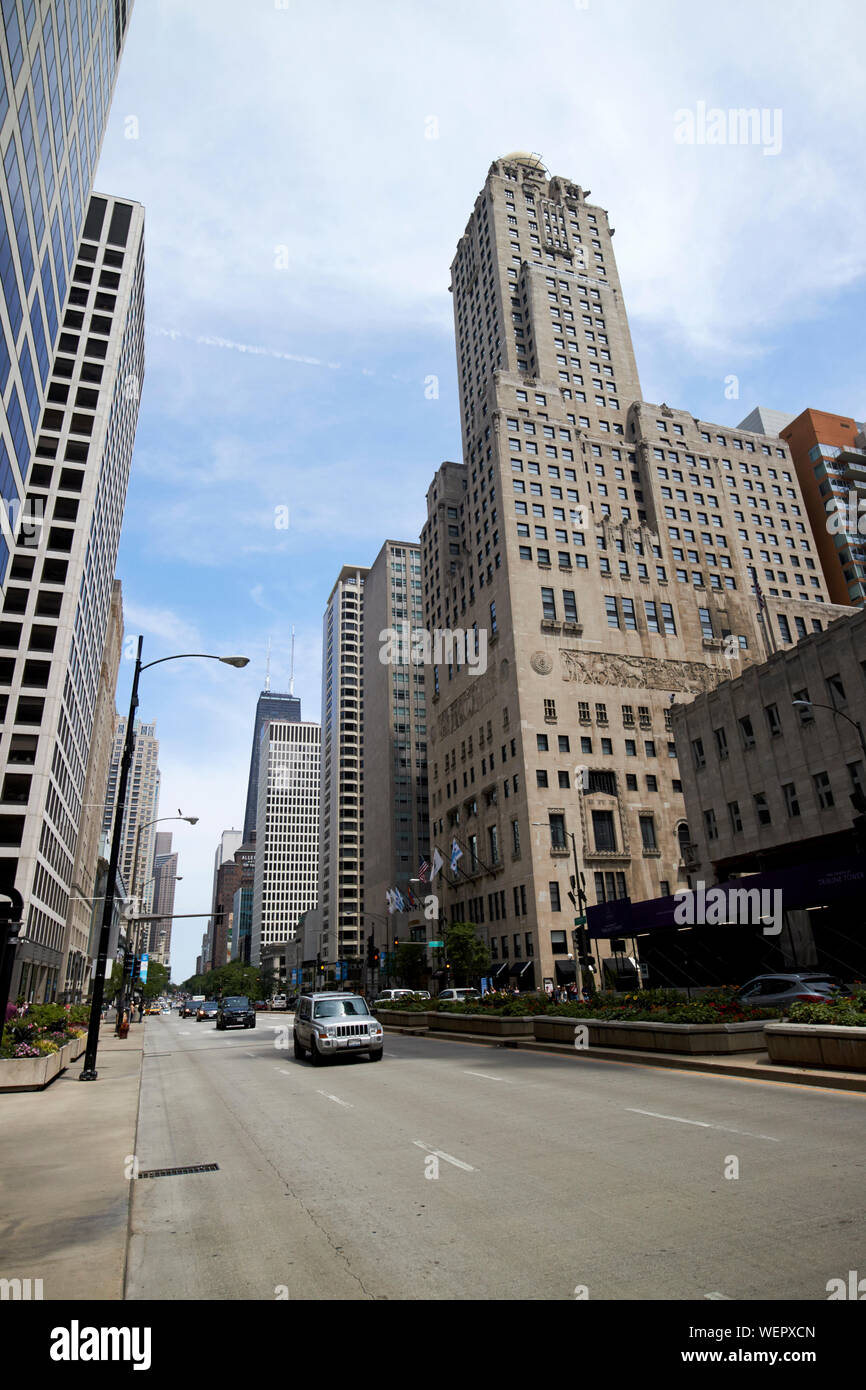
pixel 140 1010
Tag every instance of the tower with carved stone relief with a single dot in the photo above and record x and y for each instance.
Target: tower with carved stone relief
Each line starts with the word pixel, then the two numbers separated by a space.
pixel 609 548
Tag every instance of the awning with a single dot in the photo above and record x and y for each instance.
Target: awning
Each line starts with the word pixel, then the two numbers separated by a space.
pixel 498 968
pixel 519 968
pixel 565 971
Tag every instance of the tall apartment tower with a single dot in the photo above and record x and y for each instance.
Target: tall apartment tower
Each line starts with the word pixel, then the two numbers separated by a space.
pixel 394 747
pixel 142 808
pixel 164 876
pixel 58 64
pixel 608 550
pixel 287 832
pixel 85 905
pixel 58 595
pixel 271 704
pixel 341 840
pixel 829 453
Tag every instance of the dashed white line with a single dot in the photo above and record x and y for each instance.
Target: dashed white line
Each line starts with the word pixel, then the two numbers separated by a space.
pixel 724 1296
pixel 487 1076
pixel 702 1124
pixel 447 1158
pixel 335 1099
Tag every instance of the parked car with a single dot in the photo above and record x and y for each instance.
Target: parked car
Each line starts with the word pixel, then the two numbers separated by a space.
pixel 236 1011
pixel 206 1010
pixel 326 1024
pixel 458 996
pixel 386 994
pixel 801 987
pixel 261 1005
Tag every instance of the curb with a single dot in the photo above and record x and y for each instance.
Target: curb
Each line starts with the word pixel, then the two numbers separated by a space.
pixel 840 1081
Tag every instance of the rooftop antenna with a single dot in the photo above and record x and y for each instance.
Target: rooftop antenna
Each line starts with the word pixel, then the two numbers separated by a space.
pixel 268 670
pixel 292 676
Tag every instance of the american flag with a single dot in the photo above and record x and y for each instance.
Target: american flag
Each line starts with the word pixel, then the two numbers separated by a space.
pixel 423 870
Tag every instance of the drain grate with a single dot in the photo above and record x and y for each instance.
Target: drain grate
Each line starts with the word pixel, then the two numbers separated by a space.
pixel 179 1172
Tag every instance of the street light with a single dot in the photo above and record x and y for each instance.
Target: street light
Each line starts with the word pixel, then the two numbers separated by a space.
pixel 89 1073
pixel 578 886
pixel 813 704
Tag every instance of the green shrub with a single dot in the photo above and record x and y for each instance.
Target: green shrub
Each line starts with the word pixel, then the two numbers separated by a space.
pixel 846 1013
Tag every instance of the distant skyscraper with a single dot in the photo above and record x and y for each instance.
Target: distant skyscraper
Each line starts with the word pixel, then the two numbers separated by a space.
pixel 394 750
pixel 232 875
pixel 58 594
pixel 59 63
pixel 271 705
pixel 142 807
pixel 164 877
pixel 341 839
pixel 287 832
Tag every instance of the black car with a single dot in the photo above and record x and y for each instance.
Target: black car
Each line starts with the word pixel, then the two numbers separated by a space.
pixel 236 1010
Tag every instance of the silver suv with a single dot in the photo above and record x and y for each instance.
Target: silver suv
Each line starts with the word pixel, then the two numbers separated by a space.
pixel 326 1024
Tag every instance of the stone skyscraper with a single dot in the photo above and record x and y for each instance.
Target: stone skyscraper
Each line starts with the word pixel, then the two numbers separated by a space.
pixel 608 549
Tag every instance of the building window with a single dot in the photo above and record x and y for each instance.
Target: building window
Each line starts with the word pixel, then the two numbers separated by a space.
pixel 747 732
pixel 555 905
pixel 721 743
pixel 762 809
pixel 735 817
pixel 823 790
pixel 603 830
pixel 698 753
pixel 550 709
pixel 710 825
pixel 648 832
pixel 792 805
pixel 548 604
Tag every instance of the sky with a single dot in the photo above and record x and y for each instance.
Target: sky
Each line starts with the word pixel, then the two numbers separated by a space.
pixel 307 170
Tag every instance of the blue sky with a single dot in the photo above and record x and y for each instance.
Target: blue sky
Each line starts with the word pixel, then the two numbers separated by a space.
pixel 300 225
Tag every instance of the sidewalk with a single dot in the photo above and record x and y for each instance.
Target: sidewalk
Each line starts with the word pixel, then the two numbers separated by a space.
pixel 64 1196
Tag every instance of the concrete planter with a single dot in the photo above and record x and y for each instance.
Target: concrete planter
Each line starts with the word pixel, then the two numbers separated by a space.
pixel 30 1073
pixel 486 1025
pixel 78 1046
pixel 817 1045
pixel 695 1038
pixel 403 1018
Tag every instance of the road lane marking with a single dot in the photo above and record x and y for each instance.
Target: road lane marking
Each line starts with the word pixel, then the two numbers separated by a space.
pixel 447 1158
pixel 487 1076
pixel 702 1124
pixel 336 1099
pixel 281 1070
pixel 724 1296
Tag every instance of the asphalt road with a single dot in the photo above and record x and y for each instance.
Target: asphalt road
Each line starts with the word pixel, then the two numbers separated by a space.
pixel 461 1171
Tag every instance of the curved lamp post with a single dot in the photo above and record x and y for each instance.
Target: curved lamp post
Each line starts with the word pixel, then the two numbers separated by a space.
pixel 89 1073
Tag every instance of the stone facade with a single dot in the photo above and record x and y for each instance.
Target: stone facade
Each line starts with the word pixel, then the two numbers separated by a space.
pixel 607 548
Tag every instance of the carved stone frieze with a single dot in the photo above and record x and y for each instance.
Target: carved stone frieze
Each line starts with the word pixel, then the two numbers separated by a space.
pixel 641 672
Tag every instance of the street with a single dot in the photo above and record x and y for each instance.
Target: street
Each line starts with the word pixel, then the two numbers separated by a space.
pixel 461 1171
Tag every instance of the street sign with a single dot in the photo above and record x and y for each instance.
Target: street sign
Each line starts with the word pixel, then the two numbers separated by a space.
pixel 436 943
pixel 580 921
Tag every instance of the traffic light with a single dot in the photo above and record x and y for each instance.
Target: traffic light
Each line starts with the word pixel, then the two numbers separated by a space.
pixel 375 960
pixel 136 969
pixel 371 950
pixel 396 942
pixel 128 962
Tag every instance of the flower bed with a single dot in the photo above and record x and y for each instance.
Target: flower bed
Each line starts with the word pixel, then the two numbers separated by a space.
pixel 39 1041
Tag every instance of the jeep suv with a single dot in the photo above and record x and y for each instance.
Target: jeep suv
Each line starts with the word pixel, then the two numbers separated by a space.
pixel 236 1010
pixel 326 1024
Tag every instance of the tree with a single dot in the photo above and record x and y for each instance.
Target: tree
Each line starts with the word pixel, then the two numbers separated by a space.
pixel 156 982
pixel 410 964
pixel 465 952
